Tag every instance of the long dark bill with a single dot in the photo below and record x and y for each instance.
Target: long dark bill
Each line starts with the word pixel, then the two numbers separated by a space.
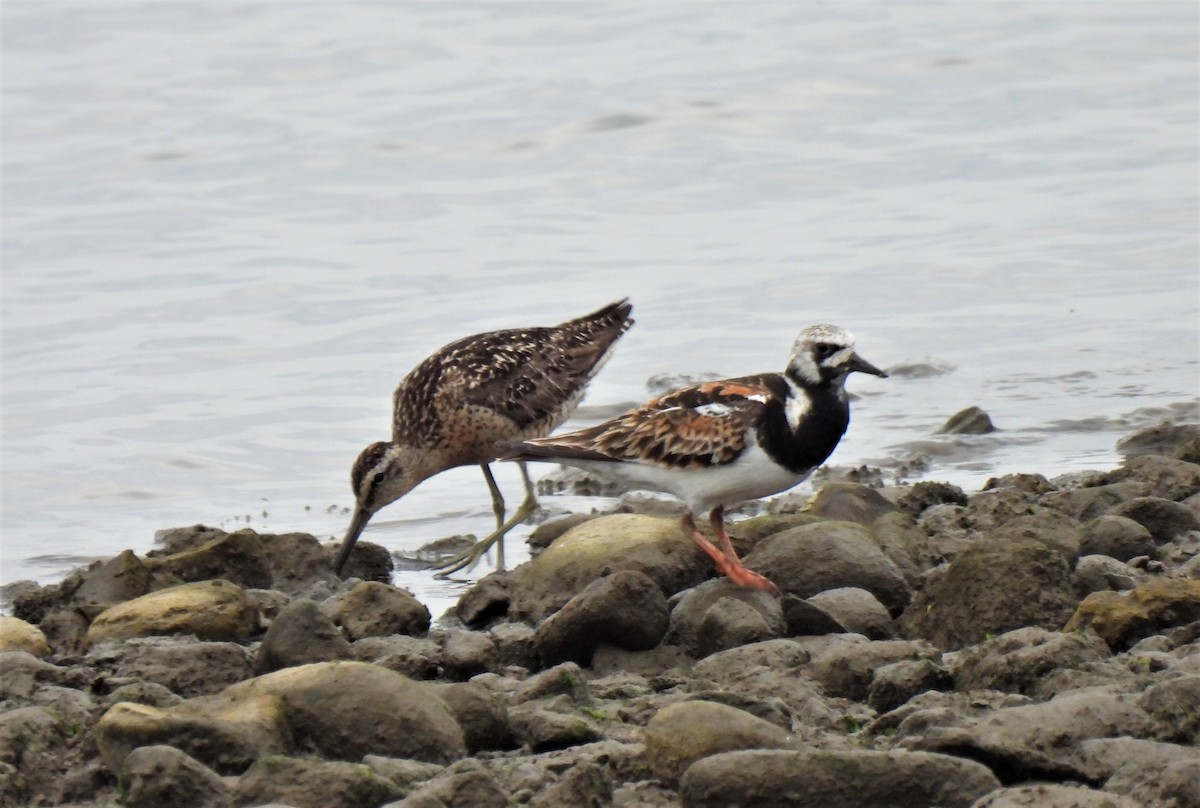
pixel 863 366
pixel 357 523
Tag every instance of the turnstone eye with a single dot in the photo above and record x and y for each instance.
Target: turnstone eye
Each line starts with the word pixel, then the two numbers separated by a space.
pixel 825 350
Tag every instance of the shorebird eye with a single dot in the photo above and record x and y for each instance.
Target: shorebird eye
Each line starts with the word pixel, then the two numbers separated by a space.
pixel 378 478
pixel 824 349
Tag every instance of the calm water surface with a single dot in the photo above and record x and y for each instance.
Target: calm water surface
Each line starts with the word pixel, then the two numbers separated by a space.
pixel 229 229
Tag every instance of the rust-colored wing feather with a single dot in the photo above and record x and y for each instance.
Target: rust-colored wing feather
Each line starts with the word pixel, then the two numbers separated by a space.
pixel 703 425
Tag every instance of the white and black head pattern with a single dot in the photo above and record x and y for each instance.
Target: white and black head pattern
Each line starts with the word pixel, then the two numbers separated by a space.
pixel 824 355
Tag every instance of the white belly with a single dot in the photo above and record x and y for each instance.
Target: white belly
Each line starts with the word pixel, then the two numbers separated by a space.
pixel 751 476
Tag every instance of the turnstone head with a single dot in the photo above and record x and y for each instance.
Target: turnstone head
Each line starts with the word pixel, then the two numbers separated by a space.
pixel 719 443
pixel 453 407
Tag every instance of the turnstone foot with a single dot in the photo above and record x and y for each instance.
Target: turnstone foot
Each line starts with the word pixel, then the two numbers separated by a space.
pixel 719 443
pixel 454 406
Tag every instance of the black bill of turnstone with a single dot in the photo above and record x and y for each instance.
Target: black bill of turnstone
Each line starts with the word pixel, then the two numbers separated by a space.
pixel 453 407
pixel 716 444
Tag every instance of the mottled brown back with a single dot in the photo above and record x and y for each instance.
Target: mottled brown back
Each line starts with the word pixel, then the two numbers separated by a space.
pixel 509 385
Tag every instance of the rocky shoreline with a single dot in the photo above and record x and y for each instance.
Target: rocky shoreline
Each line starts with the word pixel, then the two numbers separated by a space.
pixel 1033 643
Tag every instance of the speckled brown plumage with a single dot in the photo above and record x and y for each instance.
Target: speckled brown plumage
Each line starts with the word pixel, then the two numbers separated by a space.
pixel 454 406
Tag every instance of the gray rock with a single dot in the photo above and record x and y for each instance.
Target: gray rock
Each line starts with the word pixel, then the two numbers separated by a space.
pixel 856 609
pixel 300 634
pixel 1171 478
pixel 598 548
pixel 846 669
pixel 834 779
pixel 1117 537
pixel 486 600
pixel 926 494
pixel 970 421
pixel 514 644
pixel 186 665
pixel 415 657
pixel 481 714
pixel 374 609
pixel 1175 705
pixel 812 558
pixel 542 729
pixel 1019 661
pixel 1039 741
pixel 333 709
pixel 1163 518
pixel 313 783
pixel 368 561
pixel 164 777
pixel 1100 573
pixel 804 619
pixel 682 733
pixel 584 785
pixel 236 557
pixel 1052 795
pixel 566 679
pixel 895 683
pixel 907 545
pixel 404 772
pixel 1147 771
pixel 993 586
pixel 1166 438
pixel 466 653
pixel 657 661
pixel 850 502
pixel 626 609
pixel 1091 502
pixel 472 787
pixel 781 654
pixel 33 742
pixel 695 627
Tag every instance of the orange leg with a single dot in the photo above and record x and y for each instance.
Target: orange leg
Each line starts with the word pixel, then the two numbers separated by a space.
pixel 725 558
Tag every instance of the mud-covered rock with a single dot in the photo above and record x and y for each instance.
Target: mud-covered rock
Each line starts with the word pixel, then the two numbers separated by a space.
pixel 164 777
pixel 468 785
pixel 1018 661
pixel 1121 619
pixel 187 666
pixel 856 609
pixel 895 683
pixel 597 548
pixel 1043 740
pixel 1116 537
pixel 300 634
pixel 466 653
pixel 969 421
pixel 812 558
pixel 374 609
pixel 236 557
pixel 835 779
pixel 482 715
pixel 682 733
pixel 803 618
pixel 542 729
pixel 928 493
pixel 340 710
pixel 415 657
pixel 1101 573
pixel 1163 518
pixel 993 586
pixel 846 668
pixel 1052 795
pixel 626 609
pixel 698 626
pixel 850 502
pixel 312 783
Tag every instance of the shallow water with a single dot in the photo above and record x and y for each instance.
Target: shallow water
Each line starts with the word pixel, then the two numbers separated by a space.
pixel 229 229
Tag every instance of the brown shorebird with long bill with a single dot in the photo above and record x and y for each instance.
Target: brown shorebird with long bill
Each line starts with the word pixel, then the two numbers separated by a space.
pixel 453 407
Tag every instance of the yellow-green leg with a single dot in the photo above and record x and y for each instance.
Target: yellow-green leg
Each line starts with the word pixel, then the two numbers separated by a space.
pixel 470 557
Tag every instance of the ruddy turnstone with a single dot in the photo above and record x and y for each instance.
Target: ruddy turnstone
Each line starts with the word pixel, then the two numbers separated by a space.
pixel 716 444
pixel 453 407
